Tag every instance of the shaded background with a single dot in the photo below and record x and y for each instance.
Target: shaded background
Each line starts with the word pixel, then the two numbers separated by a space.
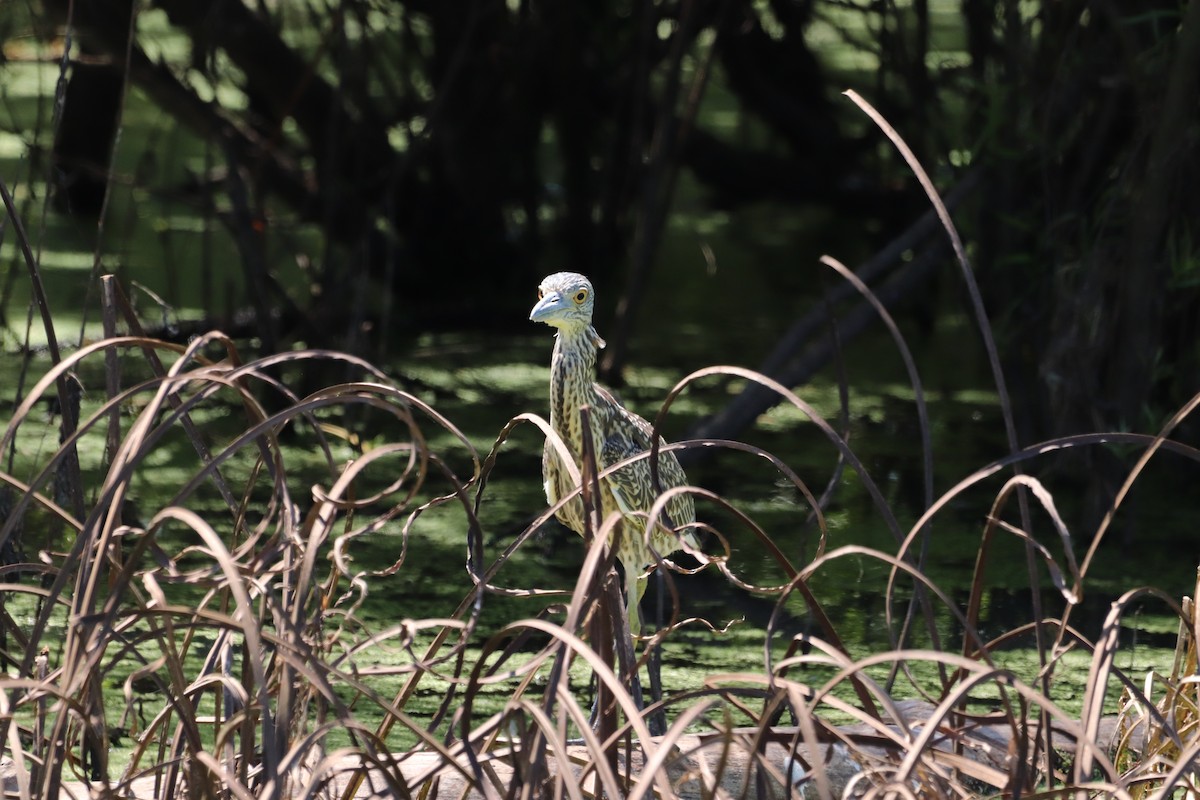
pixel 357 174
pixel 392 178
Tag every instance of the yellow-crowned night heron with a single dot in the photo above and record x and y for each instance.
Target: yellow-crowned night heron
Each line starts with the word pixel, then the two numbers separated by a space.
pixel 565 301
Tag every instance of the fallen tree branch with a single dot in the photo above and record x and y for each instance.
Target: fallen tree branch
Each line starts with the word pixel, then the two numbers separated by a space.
pixel 800 353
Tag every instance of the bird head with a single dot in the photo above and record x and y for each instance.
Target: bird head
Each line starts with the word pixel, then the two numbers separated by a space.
pixel 565 301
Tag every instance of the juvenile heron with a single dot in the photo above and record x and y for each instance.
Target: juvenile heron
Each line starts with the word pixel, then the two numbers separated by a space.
pixel 565 301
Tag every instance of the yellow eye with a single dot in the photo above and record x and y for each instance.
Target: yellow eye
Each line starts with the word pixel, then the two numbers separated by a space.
pixel 580 296
pixel 540 294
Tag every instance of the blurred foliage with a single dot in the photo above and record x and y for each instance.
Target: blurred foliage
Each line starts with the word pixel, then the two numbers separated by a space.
pixel 355 153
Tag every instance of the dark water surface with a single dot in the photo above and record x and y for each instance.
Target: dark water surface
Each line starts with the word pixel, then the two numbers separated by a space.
pixel 726 286
pixel 967 434
pixel 763 276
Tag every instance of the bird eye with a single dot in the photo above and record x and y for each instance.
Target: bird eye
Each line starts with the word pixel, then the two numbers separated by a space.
pixel 540 294
pixel 580 296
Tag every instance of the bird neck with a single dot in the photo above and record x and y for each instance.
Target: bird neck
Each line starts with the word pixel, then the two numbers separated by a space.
pixel 572 380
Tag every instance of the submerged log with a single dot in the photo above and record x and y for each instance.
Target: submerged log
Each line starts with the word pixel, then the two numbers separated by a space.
pixel 803 350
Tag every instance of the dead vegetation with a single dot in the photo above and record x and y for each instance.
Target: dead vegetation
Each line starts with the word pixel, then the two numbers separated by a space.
pixel 230 614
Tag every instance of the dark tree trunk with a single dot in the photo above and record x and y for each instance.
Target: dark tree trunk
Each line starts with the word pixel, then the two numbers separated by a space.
pixel 86 132
pixel 781 81
pixel 1115 119
pixel 1155 195
pixel 355 162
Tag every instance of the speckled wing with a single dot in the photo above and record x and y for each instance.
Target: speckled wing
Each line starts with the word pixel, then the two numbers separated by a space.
pixel 627 435
pixel 557 485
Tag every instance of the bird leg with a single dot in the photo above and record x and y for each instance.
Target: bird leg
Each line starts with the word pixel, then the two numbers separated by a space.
pixel 658 720
pixel 635 587
pixel 622 643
